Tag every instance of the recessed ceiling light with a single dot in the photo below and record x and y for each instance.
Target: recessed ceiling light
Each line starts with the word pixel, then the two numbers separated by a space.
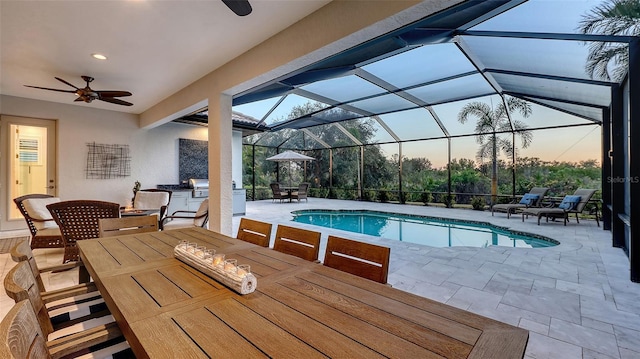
pixel 99 56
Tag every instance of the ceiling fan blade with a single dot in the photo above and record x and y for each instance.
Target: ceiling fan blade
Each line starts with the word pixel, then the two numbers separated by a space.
pixel 81 98
pixel 63 81
pixel 115 100
pixel 50 89
pixel 113 93
pixel 239 7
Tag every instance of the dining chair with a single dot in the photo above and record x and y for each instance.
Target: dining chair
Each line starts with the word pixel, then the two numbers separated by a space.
pixel 278 193
pixel 44 230
pixel 109 227
pixel 78 220
pixel 21 337
pixel 362 259
pixel 91 318
pixel 153 199
pixel 255 232
pixel 299 242
pixel 301 193
pixel 22 252
pixel 182 219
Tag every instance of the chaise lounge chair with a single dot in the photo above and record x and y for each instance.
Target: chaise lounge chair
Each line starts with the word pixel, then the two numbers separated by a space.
pixel 570 204
pixel 531 199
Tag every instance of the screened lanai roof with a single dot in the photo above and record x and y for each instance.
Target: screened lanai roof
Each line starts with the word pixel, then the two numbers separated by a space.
pixel 412 83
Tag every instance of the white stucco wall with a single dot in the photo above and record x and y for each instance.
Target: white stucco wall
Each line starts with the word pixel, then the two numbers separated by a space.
pixel 154 152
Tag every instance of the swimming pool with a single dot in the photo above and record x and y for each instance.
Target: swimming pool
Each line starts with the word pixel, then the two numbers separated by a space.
pixel 430 231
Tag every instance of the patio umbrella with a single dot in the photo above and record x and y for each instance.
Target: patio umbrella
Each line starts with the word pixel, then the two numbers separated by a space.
pixel 290 156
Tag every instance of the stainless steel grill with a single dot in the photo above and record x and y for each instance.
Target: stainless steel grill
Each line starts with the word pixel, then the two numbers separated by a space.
pixel 200 187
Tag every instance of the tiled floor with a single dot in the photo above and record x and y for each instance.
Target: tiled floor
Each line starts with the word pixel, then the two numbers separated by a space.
pixel 575 299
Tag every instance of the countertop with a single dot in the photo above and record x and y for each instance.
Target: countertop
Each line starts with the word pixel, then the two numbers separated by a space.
pixel 174 187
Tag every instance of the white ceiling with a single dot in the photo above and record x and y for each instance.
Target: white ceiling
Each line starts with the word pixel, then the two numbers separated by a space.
pixel 154 47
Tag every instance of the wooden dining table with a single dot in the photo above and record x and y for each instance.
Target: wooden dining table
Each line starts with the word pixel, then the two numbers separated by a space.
pixel 300 309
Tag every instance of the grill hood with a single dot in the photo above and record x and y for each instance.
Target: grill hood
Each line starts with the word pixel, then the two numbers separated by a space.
pixel 199 183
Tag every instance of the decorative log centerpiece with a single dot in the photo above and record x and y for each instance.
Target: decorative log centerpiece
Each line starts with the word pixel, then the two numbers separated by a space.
pixel 226 271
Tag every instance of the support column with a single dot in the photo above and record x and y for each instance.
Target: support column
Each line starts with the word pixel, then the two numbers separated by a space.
pixel 220 141
pixel 606 170
pixel 361 174
pixel 634 158
pixel 617 168
pixel 253 171
pixel 513 165
pixel 400 194
pixel 449 166
pixel 330 169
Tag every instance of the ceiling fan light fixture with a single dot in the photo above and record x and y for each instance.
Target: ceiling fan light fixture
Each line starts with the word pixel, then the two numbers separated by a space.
pixel 239 7
pixel 99 56
pixel 87 94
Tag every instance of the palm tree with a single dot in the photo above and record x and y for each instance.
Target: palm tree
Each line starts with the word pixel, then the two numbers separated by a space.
pixel 614 17
pixel 490 123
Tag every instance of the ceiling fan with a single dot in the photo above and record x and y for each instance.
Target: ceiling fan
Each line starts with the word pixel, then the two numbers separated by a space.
pixel 239 7
pixel 87 94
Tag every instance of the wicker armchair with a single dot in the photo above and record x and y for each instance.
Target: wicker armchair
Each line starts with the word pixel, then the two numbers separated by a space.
pixel 278 193
pixel 78 220
pixel 301 193
pixel 44 232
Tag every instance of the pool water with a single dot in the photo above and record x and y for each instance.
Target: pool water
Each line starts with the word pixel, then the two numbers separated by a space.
pixel 430 231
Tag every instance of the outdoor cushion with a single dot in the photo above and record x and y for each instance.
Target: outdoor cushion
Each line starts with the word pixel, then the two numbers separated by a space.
pixel 202 210
pixel 37 209
pixel 150 200
pixel 529 199
pixel 569 203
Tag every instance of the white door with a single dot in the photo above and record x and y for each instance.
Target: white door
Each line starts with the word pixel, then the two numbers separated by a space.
pixel 27 159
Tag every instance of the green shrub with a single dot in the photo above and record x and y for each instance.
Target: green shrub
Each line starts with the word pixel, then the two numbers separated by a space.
pixel 383 196
pixel 447 199
pixel 426 198
pixel 367 196
pixel 409 196
pixel 478 203
pixel 332 193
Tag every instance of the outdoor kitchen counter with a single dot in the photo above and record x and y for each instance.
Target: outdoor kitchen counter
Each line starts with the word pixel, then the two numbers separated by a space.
pixel 174 187
pixel 181 198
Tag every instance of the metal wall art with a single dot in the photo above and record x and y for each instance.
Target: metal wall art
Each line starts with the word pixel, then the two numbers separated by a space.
pixel 108 161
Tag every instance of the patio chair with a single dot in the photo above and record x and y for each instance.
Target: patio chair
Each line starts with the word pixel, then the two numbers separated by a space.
pixel 255 232
pixel 21 337
pixel 44 231
pixel 575 203
pixel 21 252
pixel 153 199
pixel 75 331
pixel 278 193
pixel 298 242
pixel 301 193
pixel 109 227
pixel 362 259
pixel 78 220
pixel 182 219
pixel 531 199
